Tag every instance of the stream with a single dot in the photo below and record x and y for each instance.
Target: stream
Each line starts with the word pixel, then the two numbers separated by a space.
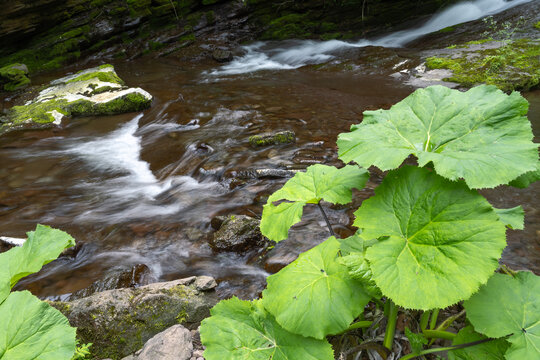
pixel 142 188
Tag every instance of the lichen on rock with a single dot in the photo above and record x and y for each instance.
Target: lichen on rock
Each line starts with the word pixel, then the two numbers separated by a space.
pixel 95 91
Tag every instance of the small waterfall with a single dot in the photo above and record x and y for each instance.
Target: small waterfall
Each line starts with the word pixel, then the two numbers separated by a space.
pixel 456 14
pixel 292 54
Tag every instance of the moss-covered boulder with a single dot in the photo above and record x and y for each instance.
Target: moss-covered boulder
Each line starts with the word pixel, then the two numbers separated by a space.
pixel 119 322
pixel 14 77
pixel 509 65
pixel 95 91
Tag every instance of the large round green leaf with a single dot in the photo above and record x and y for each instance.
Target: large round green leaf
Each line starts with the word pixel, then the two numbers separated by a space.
pixel 315 295
pixel 481 135
pixel 509 305
pixel 32 329
pixel 319 182
pixel 491 350
pixel 244 330
pixel 43 246
pixel 442 240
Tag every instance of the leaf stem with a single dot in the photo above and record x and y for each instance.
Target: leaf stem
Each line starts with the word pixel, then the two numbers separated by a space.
pixel 439 334
pixel 326 219
pixel 391 326
pixel 424 319
pixel 448 348
pixel 357 325
pixel 433 321
pixel 446 323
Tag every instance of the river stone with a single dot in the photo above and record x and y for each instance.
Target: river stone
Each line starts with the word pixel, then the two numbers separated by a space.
pixel 281 137
pixel 222 56
pixel 238 233
pixel 119 322
pixel 95 91
pixel 171 344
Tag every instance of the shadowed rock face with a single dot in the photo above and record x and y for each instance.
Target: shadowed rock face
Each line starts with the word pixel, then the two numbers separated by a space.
pixel 119 322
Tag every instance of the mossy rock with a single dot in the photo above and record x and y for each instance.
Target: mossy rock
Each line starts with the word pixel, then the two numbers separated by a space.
pixel 95 91
pixel 511 65
pixel 14 77
pixel 281 137
pixel 119 322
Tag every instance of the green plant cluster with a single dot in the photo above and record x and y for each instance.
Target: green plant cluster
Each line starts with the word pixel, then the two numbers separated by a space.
pixel 426 240
pixel 31 328
pixel 13 77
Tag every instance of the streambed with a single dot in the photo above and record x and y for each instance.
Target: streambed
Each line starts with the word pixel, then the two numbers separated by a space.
pixel 141 188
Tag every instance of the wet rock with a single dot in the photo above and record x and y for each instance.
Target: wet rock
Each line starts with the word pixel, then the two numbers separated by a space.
pixel 222 56
pixel 14 77
pixel 119 322
pixel 137 276
pixel 95 91
pixel 281 137
pixel 265 173
pixel 238 233
pixel 175 343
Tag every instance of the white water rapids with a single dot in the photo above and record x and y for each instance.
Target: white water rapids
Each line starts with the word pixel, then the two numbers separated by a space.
pixel 294 54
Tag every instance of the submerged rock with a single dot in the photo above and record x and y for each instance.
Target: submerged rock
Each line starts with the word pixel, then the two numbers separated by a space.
pixel 119 322
pixel 238 233
pixel 14 77
pixel 95 91
pixel 281 137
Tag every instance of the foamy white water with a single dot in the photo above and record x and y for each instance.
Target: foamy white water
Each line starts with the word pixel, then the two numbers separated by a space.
pixel 293 54
pixel 119 152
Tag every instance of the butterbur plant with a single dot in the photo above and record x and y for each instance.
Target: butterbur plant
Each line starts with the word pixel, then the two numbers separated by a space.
pixel 29 327
pixel 426 240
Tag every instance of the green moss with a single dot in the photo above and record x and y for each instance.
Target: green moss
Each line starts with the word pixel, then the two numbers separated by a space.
pixel 38 112
pixel 515 66
pixel 478 42
pixel 13 77
pixel 290 26
pixel 210 17
pixel 447 29
pixel 537 25
pixel 105 76
pixel 194 19
pixel 139 7
pixel 75 32
pixel 282 137
pixel 209 2
pixel 101 89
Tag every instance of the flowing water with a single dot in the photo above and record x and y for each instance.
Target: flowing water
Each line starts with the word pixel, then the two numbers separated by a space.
pixel 141 188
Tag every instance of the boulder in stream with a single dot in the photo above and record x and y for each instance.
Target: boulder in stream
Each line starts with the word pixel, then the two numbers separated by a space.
pixel 95 91
pixel 14 77
pixel 238 233
pixel 119 322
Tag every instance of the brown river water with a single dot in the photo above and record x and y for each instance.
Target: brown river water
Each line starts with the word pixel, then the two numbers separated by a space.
pixel 141 188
